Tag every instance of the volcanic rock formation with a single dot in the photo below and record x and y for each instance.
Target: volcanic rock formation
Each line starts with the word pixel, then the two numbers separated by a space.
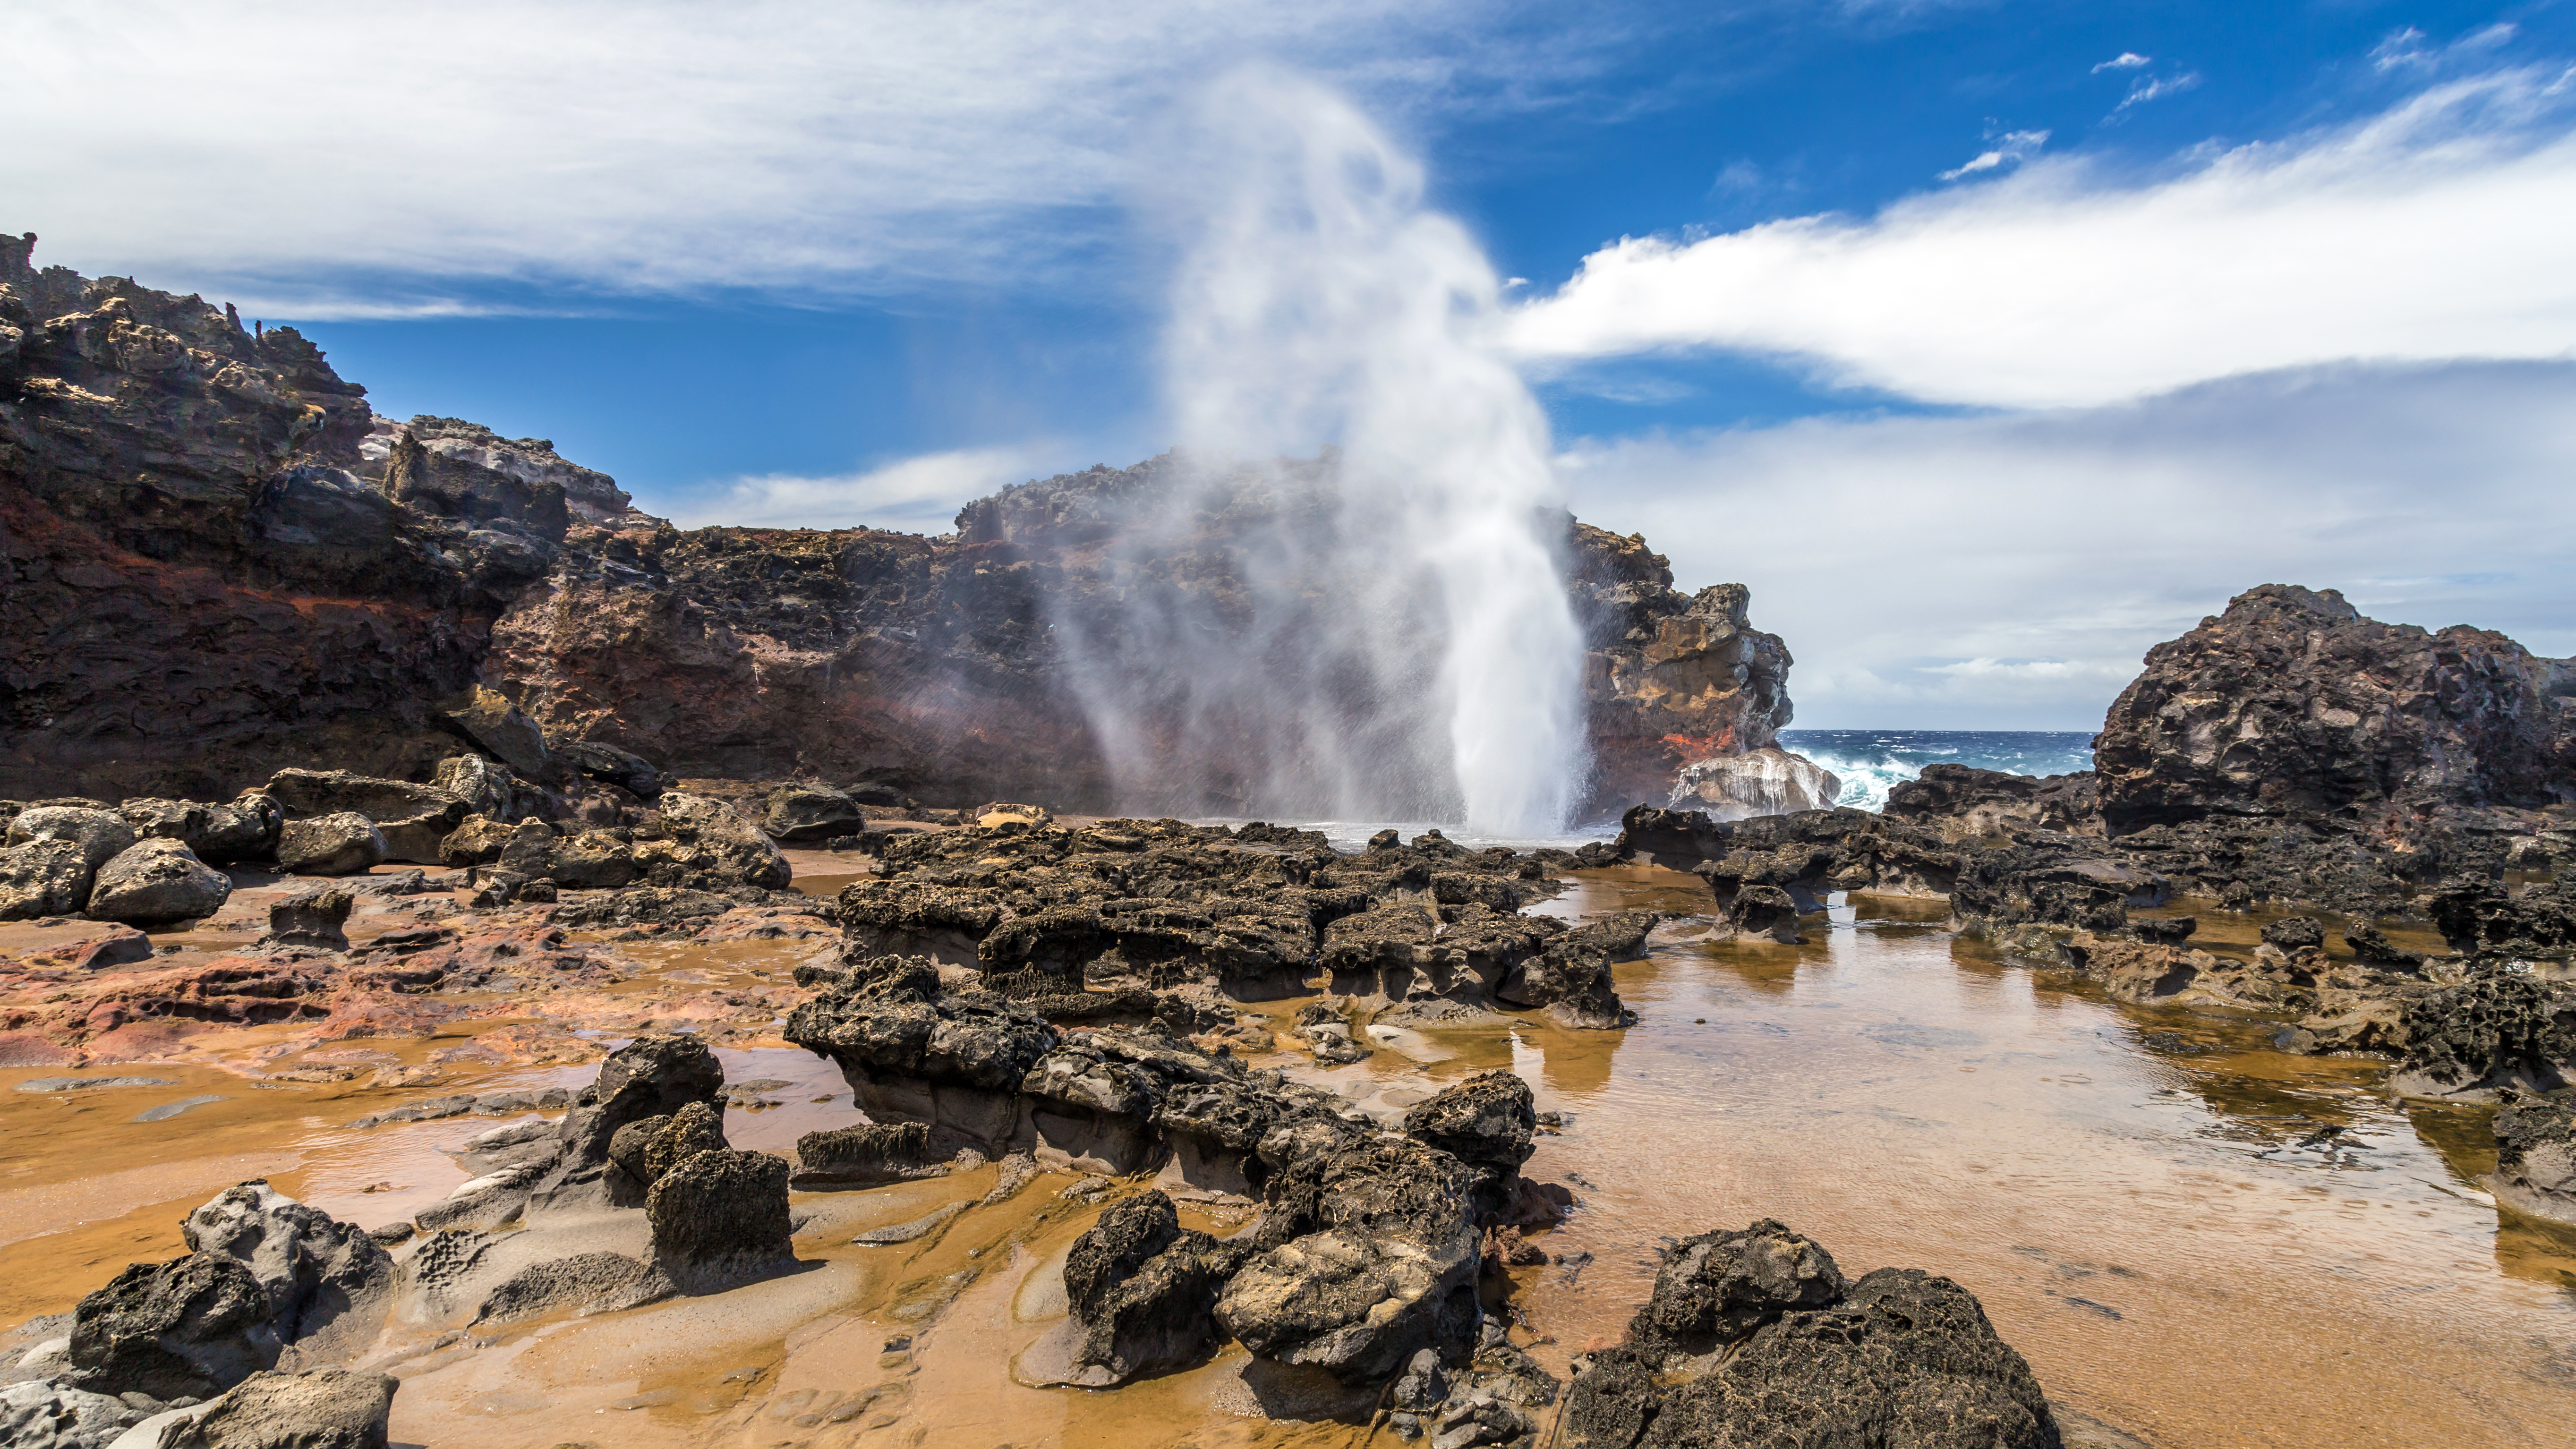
pixel 221 563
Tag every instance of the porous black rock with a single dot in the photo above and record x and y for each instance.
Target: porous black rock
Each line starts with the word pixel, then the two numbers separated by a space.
pixel 1900 1359
pixel 189 1328
pixel 720 1218
pixel 1142 1290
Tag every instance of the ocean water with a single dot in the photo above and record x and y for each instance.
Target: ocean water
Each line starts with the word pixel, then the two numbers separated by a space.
pixel 1869 761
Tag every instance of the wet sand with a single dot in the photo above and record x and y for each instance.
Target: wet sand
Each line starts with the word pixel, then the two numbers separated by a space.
pixel 2120 1186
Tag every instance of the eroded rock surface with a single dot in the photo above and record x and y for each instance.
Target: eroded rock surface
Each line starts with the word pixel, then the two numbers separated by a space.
pixel 1899 1359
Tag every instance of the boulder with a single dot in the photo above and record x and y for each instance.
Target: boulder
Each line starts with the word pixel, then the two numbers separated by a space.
pixel 609 765
pixel 2536 1156
pixel 2293 704
pixel 1715 1288
pixel 720 1218
pixel 2469 1040
pixel 323 1408
pixel 805 814
pixel 597 1282
pixel 1142 1291
pixel 43 878
pixel 487 788
pixel 2295 933
pixel 310 918
pixel 190 1328
pixel 102 835
pixel 734 848
pixel 157 881
pixel 1369 1255
pixel 1757 1340
pixel 43 1415
pixel 317 1270
pixel 651 1076
pixel 487 718
pixel 219 834
pixel 647 1148
pixel 864 1156
pixel 342 844
pixel 412 818
pixel 479 841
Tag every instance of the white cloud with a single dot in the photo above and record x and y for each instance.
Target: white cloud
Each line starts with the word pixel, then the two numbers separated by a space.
pixel 2439 229
pixel 2125 60
pixel 915 495
pixel 2011 147
pixel 2150 88
pixel 360 158
pixel 2011 571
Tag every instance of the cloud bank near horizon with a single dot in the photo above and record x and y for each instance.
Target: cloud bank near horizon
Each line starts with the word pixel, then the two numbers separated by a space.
pixel 2011 571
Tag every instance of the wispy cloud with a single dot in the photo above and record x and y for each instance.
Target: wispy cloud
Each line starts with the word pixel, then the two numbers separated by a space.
pixel 2437 229
pixel 361 158
pixel 915 495
pixel 2009 148
pixel 2125 60
pixel 2009 571
pixel 2149 88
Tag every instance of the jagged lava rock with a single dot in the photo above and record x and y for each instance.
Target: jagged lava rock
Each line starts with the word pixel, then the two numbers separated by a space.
pixel 2536 1156
pixel 720 1217
pixel 1142 1291
pixel 189 1328
pixel 1754 1338
pixel 2292 702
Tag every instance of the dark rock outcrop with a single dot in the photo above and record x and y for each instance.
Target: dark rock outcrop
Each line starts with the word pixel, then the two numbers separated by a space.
pixel 1899 1359
pixel 1964 803
pixel 1368 1255
pixel 189 1328
pixel 213 528
pixel 2291 703
pixel 720 1217
pixel 2536 1156
pixel 864 1156
pixel 652 1076
pixel 1142 1290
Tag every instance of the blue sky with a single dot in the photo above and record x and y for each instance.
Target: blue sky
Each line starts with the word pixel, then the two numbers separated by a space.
pixel 1988 342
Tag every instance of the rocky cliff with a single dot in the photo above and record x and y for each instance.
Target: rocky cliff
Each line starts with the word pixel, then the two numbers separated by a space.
pixel 220 562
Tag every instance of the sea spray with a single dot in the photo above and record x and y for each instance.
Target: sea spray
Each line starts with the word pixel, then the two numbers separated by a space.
pixel 1387 632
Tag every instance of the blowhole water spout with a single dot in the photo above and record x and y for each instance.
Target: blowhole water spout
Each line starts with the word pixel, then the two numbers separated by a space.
pixel 1389 633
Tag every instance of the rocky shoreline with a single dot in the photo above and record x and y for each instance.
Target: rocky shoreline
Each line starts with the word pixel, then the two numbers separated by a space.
pixel 537 782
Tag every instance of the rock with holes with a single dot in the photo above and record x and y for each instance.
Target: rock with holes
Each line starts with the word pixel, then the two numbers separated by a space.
pixel 1142 1290
pixel 1753 1338
pixel 321 1274
pixel 720 1219
pixel 648 1147
pixel 190 1328
pixel 651 1076
pixel 1368 1255
pixel 2536 1156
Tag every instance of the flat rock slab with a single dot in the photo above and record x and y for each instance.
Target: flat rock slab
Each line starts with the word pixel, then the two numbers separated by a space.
pixel 168 1110
pixel 87 1084
pixel 911 1232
